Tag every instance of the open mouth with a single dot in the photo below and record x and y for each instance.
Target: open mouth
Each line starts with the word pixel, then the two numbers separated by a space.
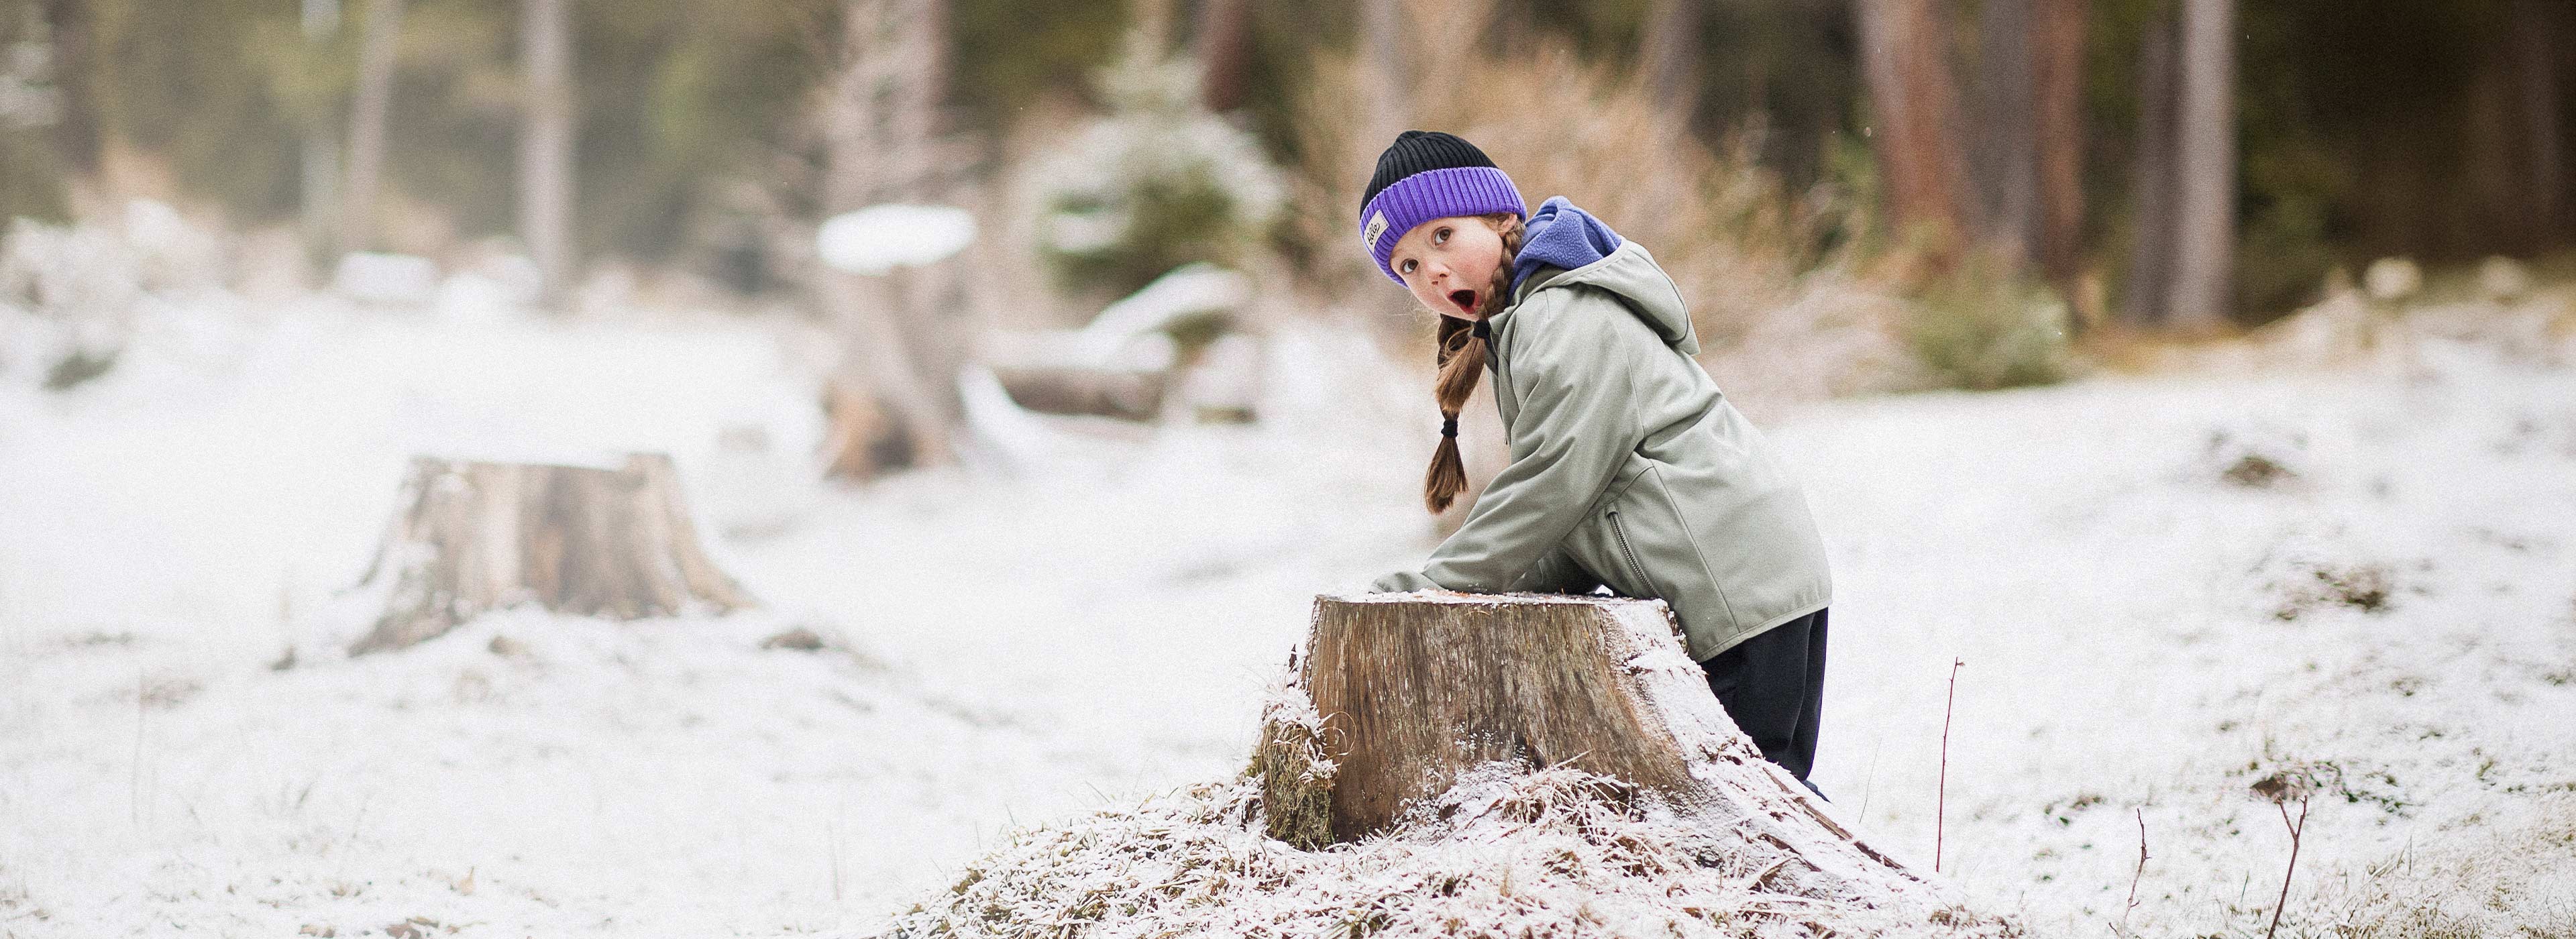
pixel 1465 299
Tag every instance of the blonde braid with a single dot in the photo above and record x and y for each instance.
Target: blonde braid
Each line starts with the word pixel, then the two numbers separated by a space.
pixel 1460 357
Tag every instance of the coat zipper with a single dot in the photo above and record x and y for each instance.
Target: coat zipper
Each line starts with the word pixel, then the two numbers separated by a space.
pixel 1619 529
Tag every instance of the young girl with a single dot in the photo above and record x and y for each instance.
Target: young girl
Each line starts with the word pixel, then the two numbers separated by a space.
pixel 1628 468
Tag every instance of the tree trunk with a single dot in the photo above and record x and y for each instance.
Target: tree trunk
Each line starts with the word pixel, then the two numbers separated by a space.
pixel 318 187
pixel 1225 53
pixel 1131 394
pixel 72 30
pixel 1414 689
pixel 546 146
pixel 2541 29
pixel 2152 186
pixel 1916 105
pixel 2006 154
pixel 1669 54
pixel 1382 44
pixel 904 334
pixel 376 49
pixel 475 536
pixel 2205 168
pixel 2057 80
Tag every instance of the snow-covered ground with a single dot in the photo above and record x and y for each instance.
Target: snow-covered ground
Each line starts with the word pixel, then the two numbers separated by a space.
pixel 1013 647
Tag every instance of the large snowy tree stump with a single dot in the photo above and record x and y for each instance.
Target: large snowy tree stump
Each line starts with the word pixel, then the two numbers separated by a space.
pixel 1415 688
pixel 475 536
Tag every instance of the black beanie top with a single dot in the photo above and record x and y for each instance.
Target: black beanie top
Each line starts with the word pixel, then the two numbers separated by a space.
pixel 1416 151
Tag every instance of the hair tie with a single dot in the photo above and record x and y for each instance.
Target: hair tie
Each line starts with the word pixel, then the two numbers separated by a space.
pixel 1480 331
pixel 1448 427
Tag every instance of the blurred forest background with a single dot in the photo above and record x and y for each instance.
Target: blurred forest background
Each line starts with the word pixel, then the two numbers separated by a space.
pixel 1914 193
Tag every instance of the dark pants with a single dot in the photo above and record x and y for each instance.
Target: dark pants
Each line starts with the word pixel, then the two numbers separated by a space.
pixel 1773 685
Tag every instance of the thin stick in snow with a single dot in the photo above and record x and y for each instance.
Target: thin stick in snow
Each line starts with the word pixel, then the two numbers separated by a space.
pixel 2295 828
pixel 1941 790
pixel 2140 872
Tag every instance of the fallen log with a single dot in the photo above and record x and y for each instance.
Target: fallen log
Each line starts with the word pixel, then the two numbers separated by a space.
pixel 473 536
pixel 1414 690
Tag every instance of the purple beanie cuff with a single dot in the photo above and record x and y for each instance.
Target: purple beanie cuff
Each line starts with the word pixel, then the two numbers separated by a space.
pixel 1430 194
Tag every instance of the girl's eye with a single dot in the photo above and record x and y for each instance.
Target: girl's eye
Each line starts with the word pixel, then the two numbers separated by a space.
pixel 1404 267
pixel 1439 235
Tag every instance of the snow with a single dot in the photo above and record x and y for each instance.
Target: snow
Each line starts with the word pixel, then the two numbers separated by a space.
pixel 385 278
pixel 880 238
pixel 1504 851
pixel 1097 630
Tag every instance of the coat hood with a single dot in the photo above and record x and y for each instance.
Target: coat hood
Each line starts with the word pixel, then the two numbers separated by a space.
pixel 1630 273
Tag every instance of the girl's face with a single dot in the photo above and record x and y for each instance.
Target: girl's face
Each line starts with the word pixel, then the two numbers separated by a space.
pixel 1449 264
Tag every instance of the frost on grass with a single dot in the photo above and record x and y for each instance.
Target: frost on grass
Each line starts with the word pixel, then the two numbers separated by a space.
pixel 1506 851
pixel 1296 777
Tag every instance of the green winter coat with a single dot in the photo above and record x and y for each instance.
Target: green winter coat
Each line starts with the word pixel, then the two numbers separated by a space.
pixel 1628 467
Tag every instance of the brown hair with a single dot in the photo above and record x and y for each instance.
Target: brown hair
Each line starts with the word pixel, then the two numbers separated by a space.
pixel 1461 359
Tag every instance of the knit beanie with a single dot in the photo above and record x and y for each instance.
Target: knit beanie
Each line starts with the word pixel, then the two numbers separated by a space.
pixel 1425 175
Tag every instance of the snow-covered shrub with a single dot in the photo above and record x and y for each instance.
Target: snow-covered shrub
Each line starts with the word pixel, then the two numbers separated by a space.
pixel 89 294
pixel 1986 325
pixel 82 286
pixel 1156 183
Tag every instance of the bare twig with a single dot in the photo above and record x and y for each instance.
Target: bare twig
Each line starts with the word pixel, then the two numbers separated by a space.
pixel 2140 872
pixel 2295 828
pixel 1941 792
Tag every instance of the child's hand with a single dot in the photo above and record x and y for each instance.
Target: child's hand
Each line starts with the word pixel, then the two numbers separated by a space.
pixel 1401 582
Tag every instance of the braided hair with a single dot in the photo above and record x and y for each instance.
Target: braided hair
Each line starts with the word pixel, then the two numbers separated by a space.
pixel 1461 359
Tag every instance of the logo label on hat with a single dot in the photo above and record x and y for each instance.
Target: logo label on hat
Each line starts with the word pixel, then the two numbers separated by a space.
pixel 1376 227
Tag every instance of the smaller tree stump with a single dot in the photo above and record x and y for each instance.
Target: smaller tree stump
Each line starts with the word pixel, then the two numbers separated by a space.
pixel 474 536
pixel 1413 689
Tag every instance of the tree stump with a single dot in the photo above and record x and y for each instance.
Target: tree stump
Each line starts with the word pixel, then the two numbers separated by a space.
pixel 1415 688
pixel 475 536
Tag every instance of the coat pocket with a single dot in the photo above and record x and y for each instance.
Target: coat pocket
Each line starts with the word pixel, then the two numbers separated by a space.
pixel 1628 555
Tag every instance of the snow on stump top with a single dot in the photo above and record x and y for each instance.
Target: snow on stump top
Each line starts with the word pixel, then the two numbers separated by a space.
pixel 1416 690
pixel 473 536
pixel 880 238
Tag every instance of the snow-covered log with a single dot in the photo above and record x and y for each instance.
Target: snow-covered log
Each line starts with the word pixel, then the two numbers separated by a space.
pixel 474 536
pixel 1416 689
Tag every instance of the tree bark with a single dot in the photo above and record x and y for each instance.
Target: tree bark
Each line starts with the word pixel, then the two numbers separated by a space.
pixel 546 146
pixel 2057 80
pixel 376 48
pixel 1225 53
pixel 475 536
pixel 1916 104
pixel 2205 168
pixel 2006 154
pixel 1414 689
pixel 2541 29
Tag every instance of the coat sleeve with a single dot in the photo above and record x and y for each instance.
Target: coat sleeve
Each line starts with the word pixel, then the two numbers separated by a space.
pixel 1572 362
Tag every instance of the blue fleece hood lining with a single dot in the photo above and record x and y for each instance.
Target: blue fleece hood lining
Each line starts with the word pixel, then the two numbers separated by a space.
pixel 1560 235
